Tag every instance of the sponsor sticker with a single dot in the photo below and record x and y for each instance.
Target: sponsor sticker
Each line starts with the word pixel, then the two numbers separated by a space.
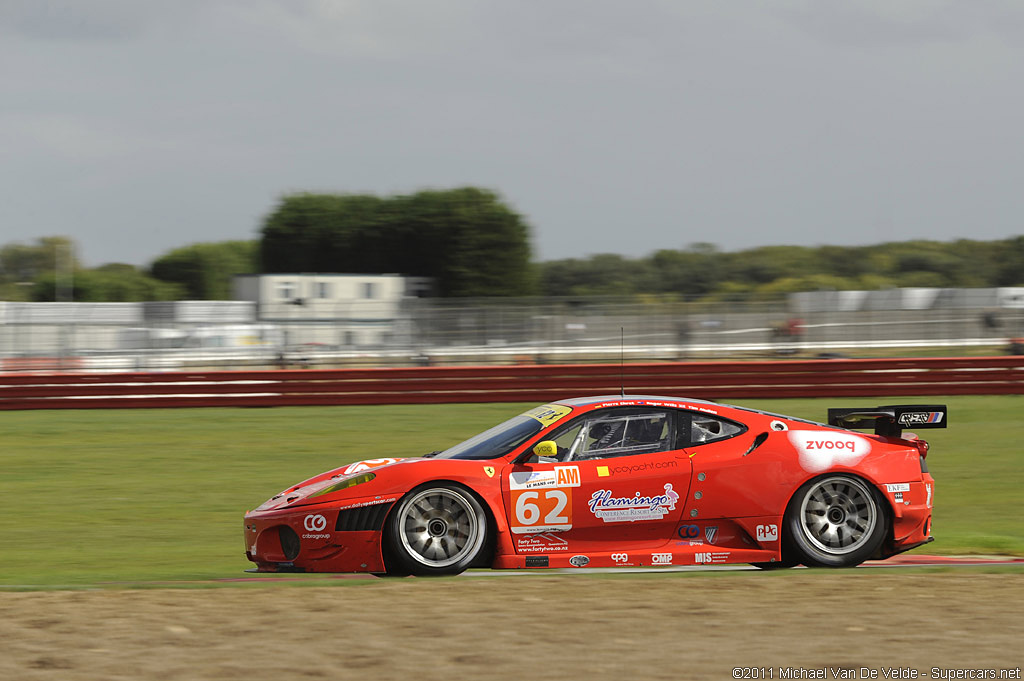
pixel 767 532
pixel 579 561
pixel 620 558
pixel 639 507
pixel 711 533
pixel 713 557
pixel 559 476
pixel 545 542
pixel 369 502
pixel 536 561
pixel 928 489
pixel 661 559
pixel 549 413
pixel 688 531
pixel 630 469
pixel 917 418
pixel 820 450
pixel 898 487
pixel 314 523
pixel 360 466
pixel 898 497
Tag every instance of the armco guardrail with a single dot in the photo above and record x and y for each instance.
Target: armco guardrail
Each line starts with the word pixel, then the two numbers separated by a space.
pixel 710 380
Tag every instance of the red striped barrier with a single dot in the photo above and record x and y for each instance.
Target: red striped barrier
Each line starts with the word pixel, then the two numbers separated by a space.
pixel 709 380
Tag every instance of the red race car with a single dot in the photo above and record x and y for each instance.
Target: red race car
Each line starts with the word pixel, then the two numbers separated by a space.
pixel 615 481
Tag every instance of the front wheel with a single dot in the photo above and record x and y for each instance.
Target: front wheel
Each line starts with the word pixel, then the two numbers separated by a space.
pixel 835 521
pixel 437 529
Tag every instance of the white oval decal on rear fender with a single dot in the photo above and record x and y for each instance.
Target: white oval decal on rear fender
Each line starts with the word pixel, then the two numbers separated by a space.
pixel 820 450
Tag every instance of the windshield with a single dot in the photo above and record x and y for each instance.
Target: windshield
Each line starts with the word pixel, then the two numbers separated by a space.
pixel 498 441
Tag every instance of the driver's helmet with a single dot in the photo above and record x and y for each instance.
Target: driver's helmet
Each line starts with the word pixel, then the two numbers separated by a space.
pixel 606 433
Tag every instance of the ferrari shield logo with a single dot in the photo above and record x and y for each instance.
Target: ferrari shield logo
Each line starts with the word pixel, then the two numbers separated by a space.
pixel 711 533
pixel 489 470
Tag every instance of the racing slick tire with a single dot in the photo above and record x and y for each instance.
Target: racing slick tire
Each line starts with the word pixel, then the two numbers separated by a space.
pixel 836 520
pixel 436 529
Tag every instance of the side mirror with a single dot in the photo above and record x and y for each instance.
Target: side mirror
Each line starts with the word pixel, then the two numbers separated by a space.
pixel 547 448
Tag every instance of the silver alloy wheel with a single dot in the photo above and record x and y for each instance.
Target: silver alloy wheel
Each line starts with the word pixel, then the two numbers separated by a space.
pixel 838 515
pixel 438 527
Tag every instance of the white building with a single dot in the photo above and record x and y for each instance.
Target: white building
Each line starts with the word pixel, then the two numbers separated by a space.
pixel 363 309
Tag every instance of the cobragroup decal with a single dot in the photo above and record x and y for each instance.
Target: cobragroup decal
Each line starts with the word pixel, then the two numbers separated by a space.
pixel 820 450
pixel 629 509
pixel 315 525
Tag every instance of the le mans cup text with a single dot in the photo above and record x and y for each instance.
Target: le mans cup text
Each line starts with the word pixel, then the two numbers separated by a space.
pixel 760 673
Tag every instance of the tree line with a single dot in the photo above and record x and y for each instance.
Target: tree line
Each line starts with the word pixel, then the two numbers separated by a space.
pixel 473 245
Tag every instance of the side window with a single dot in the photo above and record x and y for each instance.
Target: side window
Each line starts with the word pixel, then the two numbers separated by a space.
pixel 615 432
pixel 699 429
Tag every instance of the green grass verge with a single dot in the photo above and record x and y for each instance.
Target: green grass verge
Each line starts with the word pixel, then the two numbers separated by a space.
pixel 93 497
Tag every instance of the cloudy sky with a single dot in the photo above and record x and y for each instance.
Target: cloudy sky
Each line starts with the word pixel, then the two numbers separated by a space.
pixel 139 126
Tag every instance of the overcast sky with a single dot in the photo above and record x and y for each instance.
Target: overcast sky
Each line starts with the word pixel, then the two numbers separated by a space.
pixel 139 126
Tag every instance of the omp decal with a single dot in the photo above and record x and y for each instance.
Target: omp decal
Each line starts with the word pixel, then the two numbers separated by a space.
pixel 820 450
pixel 361 466
pixel 661 559
pixel 629 509
pixel 549 413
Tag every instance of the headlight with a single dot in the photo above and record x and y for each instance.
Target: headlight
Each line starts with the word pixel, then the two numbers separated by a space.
pixel 345 484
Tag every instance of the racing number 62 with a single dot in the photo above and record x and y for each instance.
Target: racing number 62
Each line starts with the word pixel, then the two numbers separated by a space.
pixel 552 504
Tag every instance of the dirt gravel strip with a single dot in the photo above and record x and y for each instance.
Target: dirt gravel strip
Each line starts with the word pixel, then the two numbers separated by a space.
pixel 550 627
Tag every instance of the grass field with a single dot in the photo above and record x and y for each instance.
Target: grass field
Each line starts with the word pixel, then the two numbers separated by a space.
pixel 93 497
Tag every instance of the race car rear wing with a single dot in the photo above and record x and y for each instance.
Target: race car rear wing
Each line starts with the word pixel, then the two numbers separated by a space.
pixel 891 420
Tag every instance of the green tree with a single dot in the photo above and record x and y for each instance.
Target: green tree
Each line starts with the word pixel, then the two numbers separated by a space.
pixel 112 283
pixel 204 271
pixel 470 242
pixel 25 262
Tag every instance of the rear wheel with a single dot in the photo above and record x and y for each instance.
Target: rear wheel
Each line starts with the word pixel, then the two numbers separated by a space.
pixel 437 529
pixel 836 520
